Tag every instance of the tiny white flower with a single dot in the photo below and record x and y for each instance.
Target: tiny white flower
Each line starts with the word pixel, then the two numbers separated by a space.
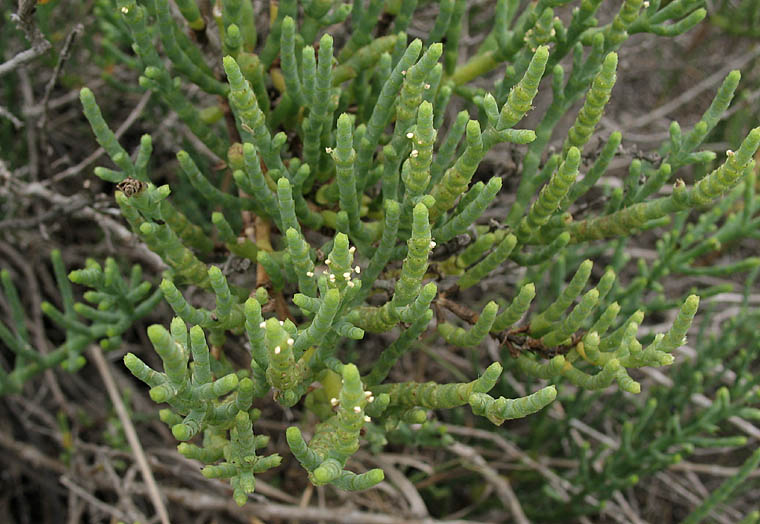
pixel 427 86
pixel 282 323
pixel 350 283
pixel 310 274
pixel 403 73
pixel 290 341
pixel 414 153
pixel 357 409
pixel 328 261
pixel 371 399
pixel 729 152
pixel 277 350
pixel 262 325
pixel 367 394
pixel 328 150
pixel 352 249
pixel 410 135
pixel 358 269
pixel 334 401
pixel 347 275
pixel 432 244
pixel 367 419
pixel 124 10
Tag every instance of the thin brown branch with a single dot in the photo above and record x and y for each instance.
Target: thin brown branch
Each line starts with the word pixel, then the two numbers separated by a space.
pixel 417 505
pixel 22 58
pixel 473 460
pixel 24 20
pixel 74 204
pixel 690 94
pixel 5 113
pixel 463 312
pixel 342 515
pixel 92 500
pixel 129 430
pixel 63 56
pixel 261 233
pixel 30 454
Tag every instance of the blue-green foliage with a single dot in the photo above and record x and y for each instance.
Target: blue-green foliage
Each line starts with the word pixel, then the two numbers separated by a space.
pixel 685 412
pixel 116 303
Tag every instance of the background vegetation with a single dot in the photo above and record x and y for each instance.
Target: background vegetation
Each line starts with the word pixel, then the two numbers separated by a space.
pixel 673 453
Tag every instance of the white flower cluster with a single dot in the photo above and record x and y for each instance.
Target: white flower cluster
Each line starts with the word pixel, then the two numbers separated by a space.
pixel 346 274
pixel 357 409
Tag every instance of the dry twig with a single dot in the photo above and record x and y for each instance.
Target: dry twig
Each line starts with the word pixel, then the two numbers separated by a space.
pixel 690 94
pixel 92 500
pixel 341 515
pixel 24 19
pixel 131 434
pixel 474 461
pixel 417 506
